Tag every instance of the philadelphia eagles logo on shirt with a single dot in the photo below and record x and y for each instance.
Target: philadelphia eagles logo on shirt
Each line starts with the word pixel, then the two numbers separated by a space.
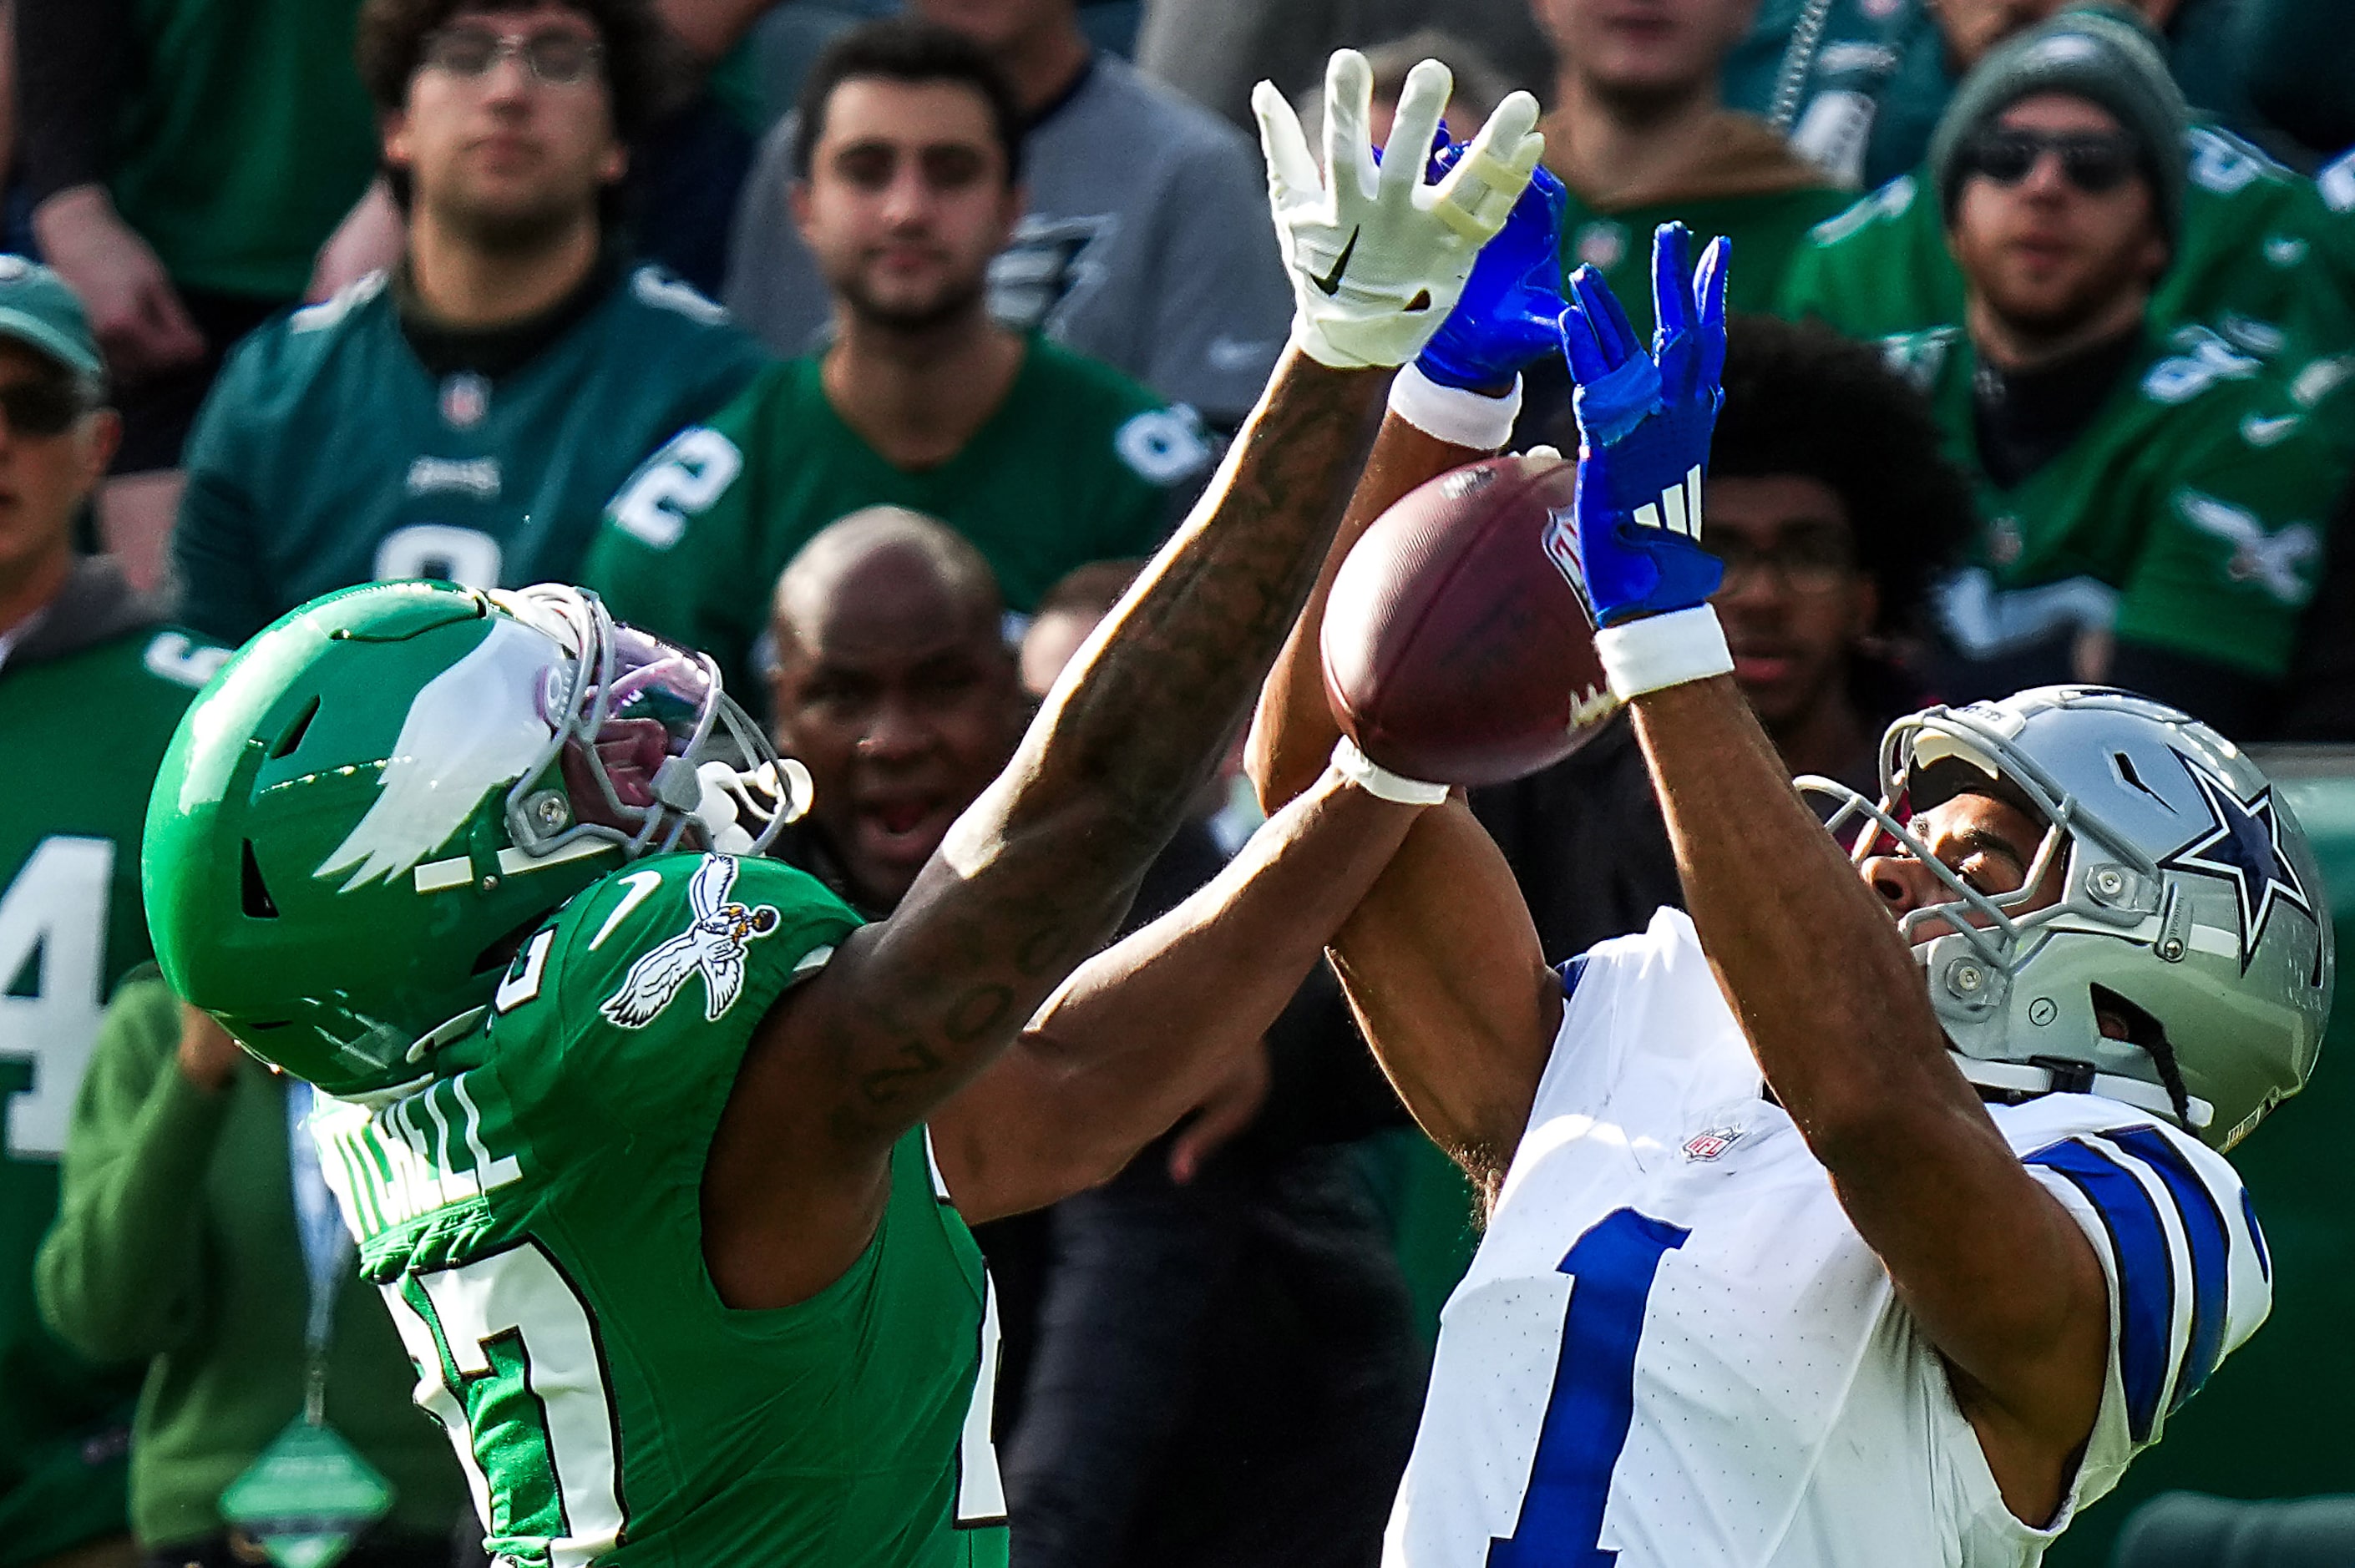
pixel 713 947
pixel 1050 263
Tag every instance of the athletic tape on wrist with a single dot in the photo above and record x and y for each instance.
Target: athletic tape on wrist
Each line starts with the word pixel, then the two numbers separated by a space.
pixel 1660 650
pixel 1455 415
pixel 1378 781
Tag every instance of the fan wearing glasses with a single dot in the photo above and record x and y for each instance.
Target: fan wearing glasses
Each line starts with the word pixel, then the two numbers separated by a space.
pixel 467 413
pixel 2151 505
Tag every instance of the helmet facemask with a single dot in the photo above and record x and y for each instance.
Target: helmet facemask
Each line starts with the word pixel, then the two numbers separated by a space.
pixel 646 750
pixel 1996 949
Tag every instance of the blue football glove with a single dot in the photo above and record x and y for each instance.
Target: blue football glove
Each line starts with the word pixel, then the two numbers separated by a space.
pixel 1508 313
pixel 1643 424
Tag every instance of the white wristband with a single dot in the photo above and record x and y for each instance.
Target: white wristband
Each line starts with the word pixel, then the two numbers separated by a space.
pixel 1659 651
pixel 1455 415
pixel 1355 767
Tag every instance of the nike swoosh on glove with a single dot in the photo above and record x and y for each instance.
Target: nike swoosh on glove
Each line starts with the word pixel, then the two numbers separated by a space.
pixel 1377 254
pixel 1644 425
pixel 1510 311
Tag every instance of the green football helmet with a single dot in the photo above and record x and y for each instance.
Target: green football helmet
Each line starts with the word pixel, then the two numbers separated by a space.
pixel 380 797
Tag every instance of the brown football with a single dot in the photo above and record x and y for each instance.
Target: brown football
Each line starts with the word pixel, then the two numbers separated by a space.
pixel 1454 647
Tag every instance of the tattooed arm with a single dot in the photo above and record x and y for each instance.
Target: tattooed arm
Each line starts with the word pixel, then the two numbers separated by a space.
pixel 1037 874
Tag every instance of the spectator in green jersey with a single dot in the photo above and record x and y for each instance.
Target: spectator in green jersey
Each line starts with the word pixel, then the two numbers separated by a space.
pixel 182 1241
pixel 1640 133
pixel 466 415
pixel 2152 508
pixel 93 685
pixel 2264 257
pixel 908 172
pixel 185 159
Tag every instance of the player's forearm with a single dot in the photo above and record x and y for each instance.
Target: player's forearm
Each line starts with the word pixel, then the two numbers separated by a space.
pixel 1444 971
pixel 1810 961
pixel 1133 729
pixel 1143 1030
pixel 1038 872
pixel 1293 730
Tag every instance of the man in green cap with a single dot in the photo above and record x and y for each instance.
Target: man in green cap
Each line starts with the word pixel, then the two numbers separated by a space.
pixel 91 685
pixel 2261 256
pixel 2152 505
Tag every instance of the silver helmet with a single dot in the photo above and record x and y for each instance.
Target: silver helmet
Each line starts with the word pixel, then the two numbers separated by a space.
pixel 2191 907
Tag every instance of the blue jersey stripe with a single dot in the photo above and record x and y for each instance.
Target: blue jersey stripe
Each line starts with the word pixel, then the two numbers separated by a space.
pixel 2212 1252
pixel 2258 1237
pixel 2146 1272
pixel 1571 972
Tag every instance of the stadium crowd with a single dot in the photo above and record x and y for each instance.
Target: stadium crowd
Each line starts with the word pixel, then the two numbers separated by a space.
pixel 871 352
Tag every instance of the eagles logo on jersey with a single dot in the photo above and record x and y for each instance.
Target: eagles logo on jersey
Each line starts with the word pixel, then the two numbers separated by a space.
pixel 712 947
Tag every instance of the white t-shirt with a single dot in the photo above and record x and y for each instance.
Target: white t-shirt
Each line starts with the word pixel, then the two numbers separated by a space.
pixel 1674 1346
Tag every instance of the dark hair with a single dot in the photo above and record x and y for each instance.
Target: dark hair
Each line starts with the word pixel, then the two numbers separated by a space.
pixel 637 65
pixel 1801 399
pixel 904 50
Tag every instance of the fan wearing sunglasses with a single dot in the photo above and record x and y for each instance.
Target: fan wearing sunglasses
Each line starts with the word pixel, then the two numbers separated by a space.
pixel 2151 502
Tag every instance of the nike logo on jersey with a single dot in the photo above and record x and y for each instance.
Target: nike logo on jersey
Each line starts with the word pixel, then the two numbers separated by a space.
pixel 1232 354
pixel 1331 281
pixel 2261 431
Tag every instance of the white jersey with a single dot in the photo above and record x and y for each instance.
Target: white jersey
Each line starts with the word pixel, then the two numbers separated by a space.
pixel 1673 1345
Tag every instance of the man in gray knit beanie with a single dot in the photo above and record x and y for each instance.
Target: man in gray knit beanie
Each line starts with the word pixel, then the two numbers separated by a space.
pixel 2059 170
pixel 2103 53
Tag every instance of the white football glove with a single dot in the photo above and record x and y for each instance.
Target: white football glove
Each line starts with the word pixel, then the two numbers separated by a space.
pixel 1377 255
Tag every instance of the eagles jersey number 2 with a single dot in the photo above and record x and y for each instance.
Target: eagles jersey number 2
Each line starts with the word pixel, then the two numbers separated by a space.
pixel 1673 1346
pixel 532 1217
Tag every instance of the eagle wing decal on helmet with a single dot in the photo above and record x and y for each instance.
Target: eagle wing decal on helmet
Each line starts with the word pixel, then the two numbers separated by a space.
pixel 472 728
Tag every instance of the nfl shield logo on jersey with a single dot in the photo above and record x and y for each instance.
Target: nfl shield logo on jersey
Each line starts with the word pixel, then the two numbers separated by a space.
pixel 466 398
pixel 1711 1141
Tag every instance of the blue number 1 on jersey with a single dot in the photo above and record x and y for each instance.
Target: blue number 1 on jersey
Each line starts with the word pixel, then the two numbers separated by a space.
pixel 1610 1268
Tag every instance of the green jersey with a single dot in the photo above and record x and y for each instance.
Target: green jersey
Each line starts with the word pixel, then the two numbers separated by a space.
pixel 1766 230
pixel 244 141
pixel 1077 464
pixel 2265 262
pixel 532 1217
pixel 328 455
pixel 2191 516
pixel 94 691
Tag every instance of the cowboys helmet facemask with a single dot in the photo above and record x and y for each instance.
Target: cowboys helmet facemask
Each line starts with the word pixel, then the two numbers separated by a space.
pixel 381 796
pixel 2191 907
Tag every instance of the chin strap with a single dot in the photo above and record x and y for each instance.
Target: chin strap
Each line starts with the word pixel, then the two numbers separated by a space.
pixel 2027 1078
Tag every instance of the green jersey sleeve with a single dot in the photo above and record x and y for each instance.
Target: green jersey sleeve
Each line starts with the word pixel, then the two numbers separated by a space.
pixel 644 993
pixel 2234 549
pixel 215 542
pixel 1877 270
pixel 679 543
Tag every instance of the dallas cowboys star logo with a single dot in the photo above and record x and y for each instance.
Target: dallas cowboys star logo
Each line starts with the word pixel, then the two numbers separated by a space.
pixel 2243 845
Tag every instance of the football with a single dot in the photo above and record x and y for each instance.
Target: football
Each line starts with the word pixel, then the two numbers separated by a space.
pixel 1454 647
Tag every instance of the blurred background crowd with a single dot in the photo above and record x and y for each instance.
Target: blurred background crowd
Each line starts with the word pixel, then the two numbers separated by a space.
pixel 871 347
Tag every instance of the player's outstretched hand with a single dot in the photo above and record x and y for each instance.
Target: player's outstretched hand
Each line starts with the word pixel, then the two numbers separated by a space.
pixel 1378 253
pixel 1643 424
pixel 1510 315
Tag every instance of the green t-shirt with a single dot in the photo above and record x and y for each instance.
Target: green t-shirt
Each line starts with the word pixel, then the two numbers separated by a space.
pixel 1766 229
pixel 1076 465
pixel 327 455
pixel 71 922
pixel 2192 515
pixel 2265 262
pixel 243 140
pixel 532 1218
